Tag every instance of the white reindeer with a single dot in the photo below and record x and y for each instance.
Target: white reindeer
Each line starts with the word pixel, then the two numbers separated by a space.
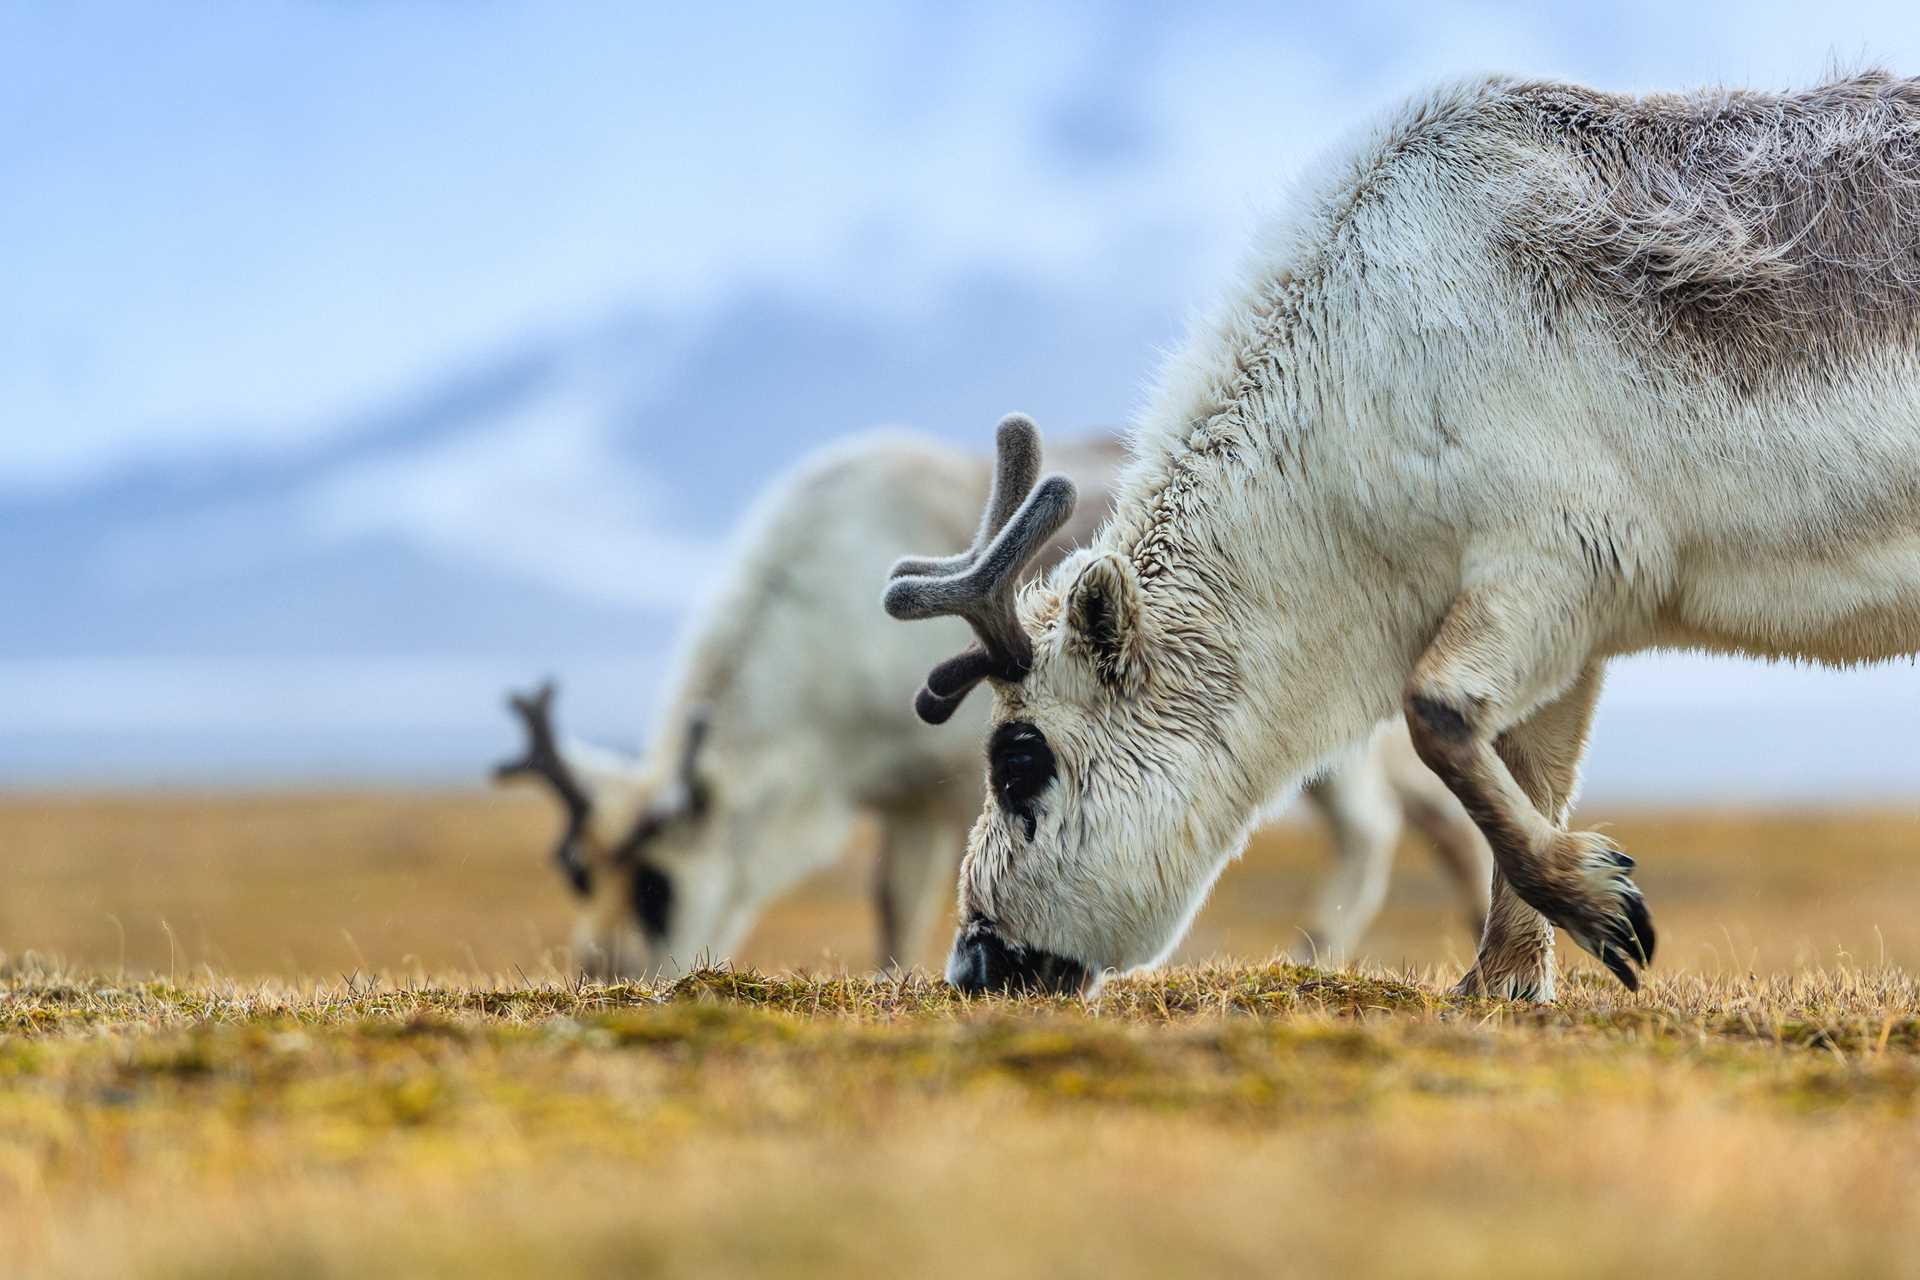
pixel 785 722
pixel 1529 377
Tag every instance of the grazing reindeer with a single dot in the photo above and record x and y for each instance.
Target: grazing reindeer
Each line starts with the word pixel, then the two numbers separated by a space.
pixel 1531 377
pixel 781 728
pixel 784 724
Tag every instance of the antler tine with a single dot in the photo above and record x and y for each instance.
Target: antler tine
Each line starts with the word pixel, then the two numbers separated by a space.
pixel 983 592
pixel 542 757
pixel 1016 465
pixel 980 585
pixel 949 684
pixel 543 760
pixel 698 722
pixel 686 794
pixel 535 711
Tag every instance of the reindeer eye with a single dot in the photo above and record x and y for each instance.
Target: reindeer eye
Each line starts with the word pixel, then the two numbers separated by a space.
pixel 1021 765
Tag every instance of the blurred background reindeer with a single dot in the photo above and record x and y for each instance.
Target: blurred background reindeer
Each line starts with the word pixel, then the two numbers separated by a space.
pixel 789 719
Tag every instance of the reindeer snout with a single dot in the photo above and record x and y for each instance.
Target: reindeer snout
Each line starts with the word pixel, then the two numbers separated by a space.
pixel 983 961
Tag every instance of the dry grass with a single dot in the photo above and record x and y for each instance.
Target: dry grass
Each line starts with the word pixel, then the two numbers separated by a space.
pixel 1756 1110
pixel 1236 1117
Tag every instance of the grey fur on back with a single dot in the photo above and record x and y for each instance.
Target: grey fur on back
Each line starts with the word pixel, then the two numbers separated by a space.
pixel 1753 236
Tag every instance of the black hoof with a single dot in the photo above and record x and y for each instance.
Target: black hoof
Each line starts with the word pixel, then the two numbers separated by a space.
pixel 1626 940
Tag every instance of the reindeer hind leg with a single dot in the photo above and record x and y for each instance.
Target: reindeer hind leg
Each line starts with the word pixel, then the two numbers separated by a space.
pixel 1363 815
pixel 920 846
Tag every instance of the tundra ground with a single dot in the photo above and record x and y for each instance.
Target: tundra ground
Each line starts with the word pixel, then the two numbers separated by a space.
pixel 319 885
pixel 1756 1110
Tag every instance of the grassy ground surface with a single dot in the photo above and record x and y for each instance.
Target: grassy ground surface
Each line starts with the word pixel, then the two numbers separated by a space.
pixel 1756 1110
pixel 1252 1119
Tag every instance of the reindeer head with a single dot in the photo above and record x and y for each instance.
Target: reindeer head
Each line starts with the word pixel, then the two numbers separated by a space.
pixel 1091 853
pixel 636 904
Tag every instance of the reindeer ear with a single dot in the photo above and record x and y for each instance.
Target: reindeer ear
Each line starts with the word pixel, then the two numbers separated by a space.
pixel 1103 620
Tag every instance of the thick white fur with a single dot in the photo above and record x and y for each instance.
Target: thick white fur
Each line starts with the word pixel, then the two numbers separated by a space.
pixel 809 700
pixel 809 693
pixel 1383 423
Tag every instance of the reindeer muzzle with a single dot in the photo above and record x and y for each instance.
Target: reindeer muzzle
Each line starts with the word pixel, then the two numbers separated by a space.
pixel 984 962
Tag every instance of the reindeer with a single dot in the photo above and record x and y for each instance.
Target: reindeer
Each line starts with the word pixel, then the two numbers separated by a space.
pixel 782 728
pixel 1530 377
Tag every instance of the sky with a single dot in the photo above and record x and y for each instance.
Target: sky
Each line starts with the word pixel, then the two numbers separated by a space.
pixel 318 310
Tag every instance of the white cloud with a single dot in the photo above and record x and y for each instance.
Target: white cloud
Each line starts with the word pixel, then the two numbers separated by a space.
pixel 543 494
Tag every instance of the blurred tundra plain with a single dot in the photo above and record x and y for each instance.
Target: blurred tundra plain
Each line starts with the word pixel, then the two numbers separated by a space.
pixel 318 884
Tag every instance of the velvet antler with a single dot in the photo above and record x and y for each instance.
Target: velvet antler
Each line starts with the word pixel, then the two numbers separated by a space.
pixel 980 583
pixel 685 797
pixel 543 760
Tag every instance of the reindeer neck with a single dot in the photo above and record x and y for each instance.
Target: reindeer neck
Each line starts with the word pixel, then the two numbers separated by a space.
pixel 1245 574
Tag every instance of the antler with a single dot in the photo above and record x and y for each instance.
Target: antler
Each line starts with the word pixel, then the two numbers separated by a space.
pixel 543 760
pixel 980 583
pixel 686 797
pixel 691 796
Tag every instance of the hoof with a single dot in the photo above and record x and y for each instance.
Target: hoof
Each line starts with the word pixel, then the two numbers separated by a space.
pixel 1316 952
pixel 1532 988
pixel 1612 925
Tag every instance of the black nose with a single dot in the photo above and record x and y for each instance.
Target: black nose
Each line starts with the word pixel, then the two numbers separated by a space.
pixel 984 961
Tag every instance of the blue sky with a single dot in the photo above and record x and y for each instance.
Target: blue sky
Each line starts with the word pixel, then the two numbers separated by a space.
pixel 230 224
pixel 252 252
